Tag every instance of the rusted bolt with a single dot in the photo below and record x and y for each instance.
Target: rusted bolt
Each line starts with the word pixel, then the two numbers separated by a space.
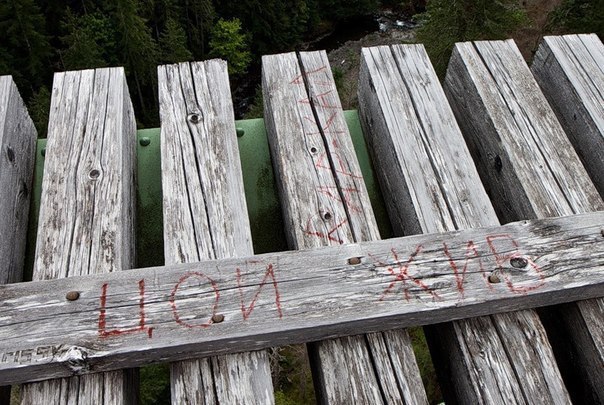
pixel 194 118
pixel 94 174
pixel 240 132
pixel 10 154
pixel 327 216
pixel 217 318
pixel 72 295
pixel 354 260
pixel 493 278
pixel 518 262
pixel 145 141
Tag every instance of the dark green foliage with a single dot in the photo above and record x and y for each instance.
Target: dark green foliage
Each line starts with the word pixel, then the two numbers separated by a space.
pixel 446 22
pixel 155 384
pixel 25 44
pixel 39 107
pixel 580 16
pixel 173 43
pixel 275 25
pixel 343 9
pixel 90 41
pixel 229 43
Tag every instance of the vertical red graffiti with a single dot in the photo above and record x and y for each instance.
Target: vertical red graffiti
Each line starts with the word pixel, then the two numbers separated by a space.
pixel 471 252
pixel 200 276
pixel 270 273
pixel 512 253
pixel 103 332
pixel 403 275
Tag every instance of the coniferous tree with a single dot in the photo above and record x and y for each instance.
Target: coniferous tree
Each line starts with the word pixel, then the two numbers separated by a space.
pixel 22 29
pixel 137 51
pixel 228 42
pixel 446 22
pixel 173 43
pixel 90 41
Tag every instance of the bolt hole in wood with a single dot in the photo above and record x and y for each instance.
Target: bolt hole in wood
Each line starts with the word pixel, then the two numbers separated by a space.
pixel 327 216
pixel 493 278
pixel 518 262
pixel 10 154
pixel 94 174
pixel 313 150
pixel 194 118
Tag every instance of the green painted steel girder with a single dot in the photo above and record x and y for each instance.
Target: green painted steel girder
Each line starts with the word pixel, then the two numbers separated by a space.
pixel 259 182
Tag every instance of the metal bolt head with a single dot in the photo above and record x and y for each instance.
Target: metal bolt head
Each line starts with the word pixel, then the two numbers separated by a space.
pixel 240 132
pixel 72 295
pixel 145 141
pixel 354 260
pixel 217 318
pixel 493 278
pixel 327 216
pixel 518 262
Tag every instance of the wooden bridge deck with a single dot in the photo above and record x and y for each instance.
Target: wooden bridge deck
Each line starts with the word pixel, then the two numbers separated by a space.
pixel 497 142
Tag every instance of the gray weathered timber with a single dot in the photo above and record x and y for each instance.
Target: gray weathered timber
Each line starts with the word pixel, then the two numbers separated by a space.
pixel 86 223
pixel 532 171
pixel 325 202
pixel 205 215
pixel 570 72
pixel 17 156
pixel 429 181
pixel 129 318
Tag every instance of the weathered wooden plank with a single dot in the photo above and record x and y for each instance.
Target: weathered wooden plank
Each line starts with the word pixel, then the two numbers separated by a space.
pixel 426 170
pixel 570 72
pixel 135 317
pixel 532 171
pixel 205 215
pixel 17 156
pixel 325 202
pixel 17 150
pixel 87 207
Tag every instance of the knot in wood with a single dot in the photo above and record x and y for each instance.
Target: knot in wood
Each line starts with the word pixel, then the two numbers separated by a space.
pixel 518 262
pixel 10 154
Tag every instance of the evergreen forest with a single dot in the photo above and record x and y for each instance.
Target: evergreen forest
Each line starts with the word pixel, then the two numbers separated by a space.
pixel 40 37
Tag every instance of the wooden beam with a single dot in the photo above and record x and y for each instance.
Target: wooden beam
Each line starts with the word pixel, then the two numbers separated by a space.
pixel 531 170
pixel 17 157
pixel 570 72
pixel 86 221
pixel 325 203
pixel 432 185
pixel 129 318
pixel 205 216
